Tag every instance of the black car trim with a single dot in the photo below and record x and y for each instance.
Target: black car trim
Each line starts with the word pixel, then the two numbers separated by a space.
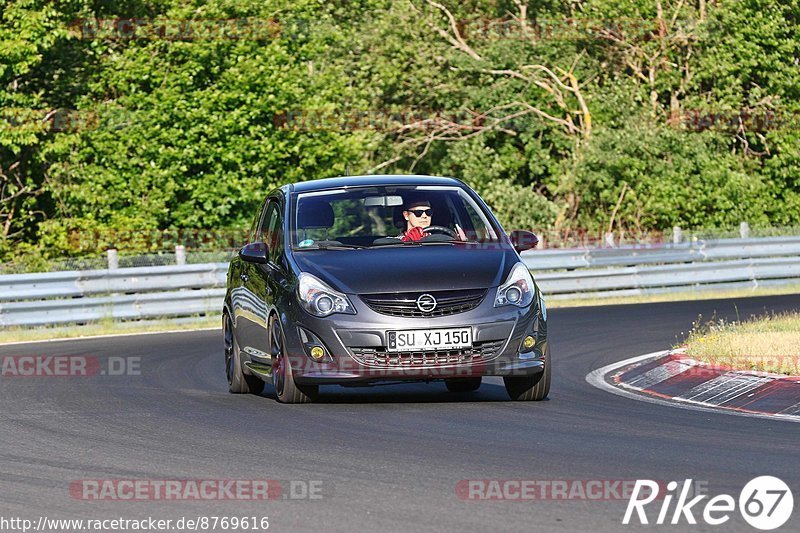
pixel 481 352
pixel 405 304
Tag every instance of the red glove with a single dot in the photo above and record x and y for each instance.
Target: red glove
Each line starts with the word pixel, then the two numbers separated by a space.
pixel 414 234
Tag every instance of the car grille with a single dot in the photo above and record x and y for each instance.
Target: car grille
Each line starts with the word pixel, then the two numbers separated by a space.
pixel 405 304
pixel 480 352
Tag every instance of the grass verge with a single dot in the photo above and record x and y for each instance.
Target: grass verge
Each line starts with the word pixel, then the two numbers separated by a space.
pixel 767 343
pixel 106 327
pixel 685 296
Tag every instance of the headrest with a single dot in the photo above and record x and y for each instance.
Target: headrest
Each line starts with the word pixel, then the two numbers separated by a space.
pixel 314 214
pixel 397 218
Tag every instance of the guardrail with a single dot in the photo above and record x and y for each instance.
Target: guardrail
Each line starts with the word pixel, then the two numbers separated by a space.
pixel 626 271
pixel 120 294
pixel 187 290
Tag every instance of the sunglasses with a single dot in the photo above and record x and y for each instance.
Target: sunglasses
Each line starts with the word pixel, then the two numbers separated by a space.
pixel 420 212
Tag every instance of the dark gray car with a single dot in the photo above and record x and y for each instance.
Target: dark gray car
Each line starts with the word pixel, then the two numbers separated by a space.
pixel 327 293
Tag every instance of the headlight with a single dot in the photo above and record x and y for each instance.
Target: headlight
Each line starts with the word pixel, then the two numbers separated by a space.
pixel 319 299
pixel 517 290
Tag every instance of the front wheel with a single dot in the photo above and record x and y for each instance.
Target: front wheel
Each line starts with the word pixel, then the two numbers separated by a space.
pixel 530 388
pixel 238 381
pixel 286 389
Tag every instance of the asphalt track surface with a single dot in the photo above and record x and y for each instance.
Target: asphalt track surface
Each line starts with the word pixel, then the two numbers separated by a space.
pixel 389 458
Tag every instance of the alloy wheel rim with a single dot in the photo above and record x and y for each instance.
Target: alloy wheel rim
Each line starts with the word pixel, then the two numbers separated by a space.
pixel 228 335
pixel 279 364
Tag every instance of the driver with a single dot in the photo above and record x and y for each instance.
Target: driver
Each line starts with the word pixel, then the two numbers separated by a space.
pixel 418 213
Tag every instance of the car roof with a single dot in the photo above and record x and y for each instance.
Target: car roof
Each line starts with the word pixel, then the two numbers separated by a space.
pixel 371 180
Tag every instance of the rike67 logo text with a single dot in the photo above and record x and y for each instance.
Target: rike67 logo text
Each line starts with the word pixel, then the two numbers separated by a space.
pixel 765 503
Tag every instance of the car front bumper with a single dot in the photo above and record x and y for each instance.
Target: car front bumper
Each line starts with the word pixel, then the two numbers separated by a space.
pixel 356 345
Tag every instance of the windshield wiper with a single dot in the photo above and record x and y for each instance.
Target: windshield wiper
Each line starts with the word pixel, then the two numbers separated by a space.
pixel 331 247
pixel 393 244
pixel 409 243
pixel 341 247
pixel 389 242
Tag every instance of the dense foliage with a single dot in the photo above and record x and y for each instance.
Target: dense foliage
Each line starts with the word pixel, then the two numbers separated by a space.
pixel 634 115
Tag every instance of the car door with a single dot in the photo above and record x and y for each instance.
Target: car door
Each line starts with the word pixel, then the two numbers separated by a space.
pixel 262 280
pixel 241 305
pixel 277 266
pixel 252 313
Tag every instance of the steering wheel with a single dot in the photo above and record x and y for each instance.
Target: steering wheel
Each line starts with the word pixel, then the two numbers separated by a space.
pixel 441 229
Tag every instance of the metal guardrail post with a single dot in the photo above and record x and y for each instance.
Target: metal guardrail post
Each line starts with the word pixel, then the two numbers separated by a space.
pixel 113 258
pixel 744 230
pixel 677 235
pixel 180 254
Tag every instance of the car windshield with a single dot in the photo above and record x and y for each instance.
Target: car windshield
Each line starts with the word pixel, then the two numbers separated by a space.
pixel 366 217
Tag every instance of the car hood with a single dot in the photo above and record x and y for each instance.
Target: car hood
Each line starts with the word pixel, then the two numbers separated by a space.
pixel 408 269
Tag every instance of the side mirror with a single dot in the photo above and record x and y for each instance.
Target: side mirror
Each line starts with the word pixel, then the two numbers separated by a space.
pixel 255 252
pixel 523 240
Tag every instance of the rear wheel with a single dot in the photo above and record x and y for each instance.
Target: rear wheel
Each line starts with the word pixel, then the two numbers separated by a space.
pixel 286 389
pixel 463 384
pixel 238 381
pixel 530 388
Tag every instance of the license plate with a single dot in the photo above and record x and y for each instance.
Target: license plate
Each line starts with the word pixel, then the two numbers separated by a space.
pixel 429 339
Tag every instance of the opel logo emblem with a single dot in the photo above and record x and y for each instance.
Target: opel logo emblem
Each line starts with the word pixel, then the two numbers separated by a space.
pixel 426 303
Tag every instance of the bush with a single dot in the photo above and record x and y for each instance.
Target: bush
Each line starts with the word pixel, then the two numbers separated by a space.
pixel 519 207
pixel 666 177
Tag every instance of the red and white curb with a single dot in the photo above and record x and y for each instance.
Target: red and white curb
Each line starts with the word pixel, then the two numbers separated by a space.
pixel 671 378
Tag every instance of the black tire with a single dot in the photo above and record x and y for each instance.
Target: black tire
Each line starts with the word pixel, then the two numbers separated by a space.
pixel 463 384
pixel 286 390
pixel 530 388
pixel 238 381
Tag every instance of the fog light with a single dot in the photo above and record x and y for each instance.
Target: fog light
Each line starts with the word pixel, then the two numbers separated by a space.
pixel 528 342
pixel 317 353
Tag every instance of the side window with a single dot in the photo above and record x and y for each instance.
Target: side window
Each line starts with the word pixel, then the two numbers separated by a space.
pixel 276 235
pixel 481 228
pixel 255 228
pixel 271 231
